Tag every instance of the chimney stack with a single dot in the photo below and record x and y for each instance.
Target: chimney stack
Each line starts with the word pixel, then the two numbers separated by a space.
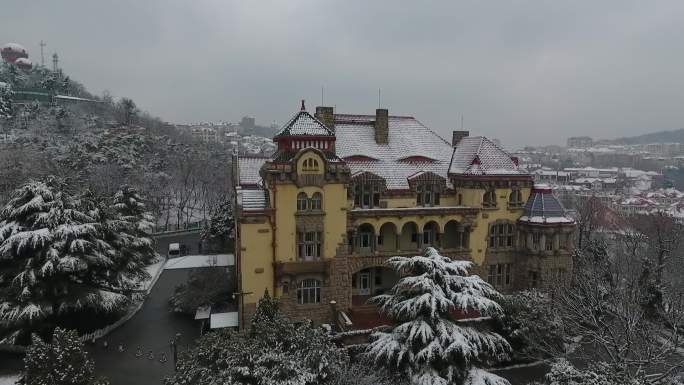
pixel 458 136
pixel 381 126
pixel 326 116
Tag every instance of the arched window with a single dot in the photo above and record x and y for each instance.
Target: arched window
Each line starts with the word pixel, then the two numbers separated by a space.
pixel 489 199
pixel 309 291
pixel 316 201
pixel 515 199
pixel 302 201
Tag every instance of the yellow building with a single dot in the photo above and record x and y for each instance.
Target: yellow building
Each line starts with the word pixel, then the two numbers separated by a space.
pixel 316 221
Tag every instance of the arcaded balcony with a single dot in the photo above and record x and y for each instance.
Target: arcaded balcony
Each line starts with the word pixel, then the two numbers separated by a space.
pixel 388 239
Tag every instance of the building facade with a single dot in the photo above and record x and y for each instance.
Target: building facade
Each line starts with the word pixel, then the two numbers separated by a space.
pixel 317 220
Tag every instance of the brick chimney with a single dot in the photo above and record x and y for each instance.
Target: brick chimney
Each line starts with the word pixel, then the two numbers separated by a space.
pixel 381 126
pixel 326 116
pixel 458 136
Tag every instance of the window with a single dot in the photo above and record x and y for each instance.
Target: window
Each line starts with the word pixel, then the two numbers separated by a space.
pixel 501 235
pixel 302 202
pixel 309 291
pixel 460 199
pixel 316 200
pixel 536 241
pixel 549 242
pixel 534 279
pixel 367 195
pixel 309 245
pixel 499 274
pixel 489 199
pixel 515 199
pixel 310 164
pixel 428 195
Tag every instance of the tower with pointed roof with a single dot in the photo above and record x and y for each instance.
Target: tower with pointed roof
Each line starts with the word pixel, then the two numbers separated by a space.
pixel 343 193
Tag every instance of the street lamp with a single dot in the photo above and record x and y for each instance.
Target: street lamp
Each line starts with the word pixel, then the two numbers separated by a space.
pixel 174 347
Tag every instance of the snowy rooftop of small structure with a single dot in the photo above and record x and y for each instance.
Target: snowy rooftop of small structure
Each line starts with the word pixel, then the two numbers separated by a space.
pixel 203 312
pixel 248 168
pixel 253 199
pixel 543 208
pixel 411 148
pixel 302 124
pixel 13 47
pixel 477 155
pixel 224 320
pixel 194 261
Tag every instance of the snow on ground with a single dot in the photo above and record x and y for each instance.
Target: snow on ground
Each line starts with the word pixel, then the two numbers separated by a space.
pixel 192 261
pixel 8 379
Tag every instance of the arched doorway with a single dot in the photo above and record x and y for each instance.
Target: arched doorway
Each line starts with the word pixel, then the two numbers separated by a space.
pixel 453 235
pixel 430 235
pixel 387 239
pixel 408 240
pixel 366 284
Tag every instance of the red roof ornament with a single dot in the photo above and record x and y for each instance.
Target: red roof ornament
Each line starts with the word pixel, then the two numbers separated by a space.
pixel 476 160
pixel 303 108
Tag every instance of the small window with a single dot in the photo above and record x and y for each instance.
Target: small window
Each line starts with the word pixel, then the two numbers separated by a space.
pixel 309 245
pixel 515 199
pixel 302 202
pixel 501 235
pixel 489 199
pixel 536 241
pixel 309 292
pixel 316 201
pixel 499 274
pixel 549 242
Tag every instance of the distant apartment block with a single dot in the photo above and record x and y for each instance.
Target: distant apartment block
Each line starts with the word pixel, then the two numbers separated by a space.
pixel 580 142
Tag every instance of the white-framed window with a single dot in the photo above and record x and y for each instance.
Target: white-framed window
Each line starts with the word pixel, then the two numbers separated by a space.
pixel 309 245
pixel 309 291
pixel 489 199
pixel 302 202
pixel 499 274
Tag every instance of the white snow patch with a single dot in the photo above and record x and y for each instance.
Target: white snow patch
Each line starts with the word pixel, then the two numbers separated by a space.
pixel 9 379
pixel 193 261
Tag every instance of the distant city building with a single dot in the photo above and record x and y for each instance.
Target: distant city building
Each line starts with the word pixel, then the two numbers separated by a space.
pixel 580 142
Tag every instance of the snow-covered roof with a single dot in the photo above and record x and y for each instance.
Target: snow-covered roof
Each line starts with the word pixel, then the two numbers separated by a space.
pixel 477 155
pixel 392 161
pixel 203 312
pixel 543 208
pixel 253 199
pixel 248 168
pixel 304 123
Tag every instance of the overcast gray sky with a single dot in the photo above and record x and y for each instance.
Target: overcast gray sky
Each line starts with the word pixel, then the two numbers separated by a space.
pixel 522 71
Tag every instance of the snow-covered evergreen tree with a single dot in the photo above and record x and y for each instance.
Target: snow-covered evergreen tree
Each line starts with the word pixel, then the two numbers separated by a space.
pixel 6 110
pixel 130 207
pixel 63 361
pixel 221 224
pixel 53 260
pixel 267 311
pixel 426 343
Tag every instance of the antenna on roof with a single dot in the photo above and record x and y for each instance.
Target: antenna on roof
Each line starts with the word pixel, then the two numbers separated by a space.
pixel 322 104
pixel 378 97
pixel 461 122
pixel 303 108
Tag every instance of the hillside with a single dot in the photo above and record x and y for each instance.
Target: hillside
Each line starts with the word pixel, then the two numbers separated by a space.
pixel 100 144
pixel 655 137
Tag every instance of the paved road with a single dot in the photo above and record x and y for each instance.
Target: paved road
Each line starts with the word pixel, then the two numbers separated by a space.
pixel 152 328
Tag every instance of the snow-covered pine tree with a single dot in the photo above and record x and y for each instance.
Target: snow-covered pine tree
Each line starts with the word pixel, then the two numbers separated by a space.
pixel 6 110
pixel 50 253
pixel 62 361
pixel 426 343
pixel 267 311
pixel 221 222
pixel 130 206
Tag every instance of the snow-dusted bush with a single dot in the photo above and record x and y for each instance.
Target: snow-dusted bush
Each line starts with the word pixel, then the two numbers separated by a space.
pixel 426 343
pixel 530 326
pixel 62 361
pixel 564 373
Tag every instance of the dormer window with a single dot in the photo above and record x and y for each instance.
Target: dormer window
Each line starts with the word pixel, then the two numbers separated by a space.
pixel 428 195
pixel 310 165
pixel 366 195
pixel 489 199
